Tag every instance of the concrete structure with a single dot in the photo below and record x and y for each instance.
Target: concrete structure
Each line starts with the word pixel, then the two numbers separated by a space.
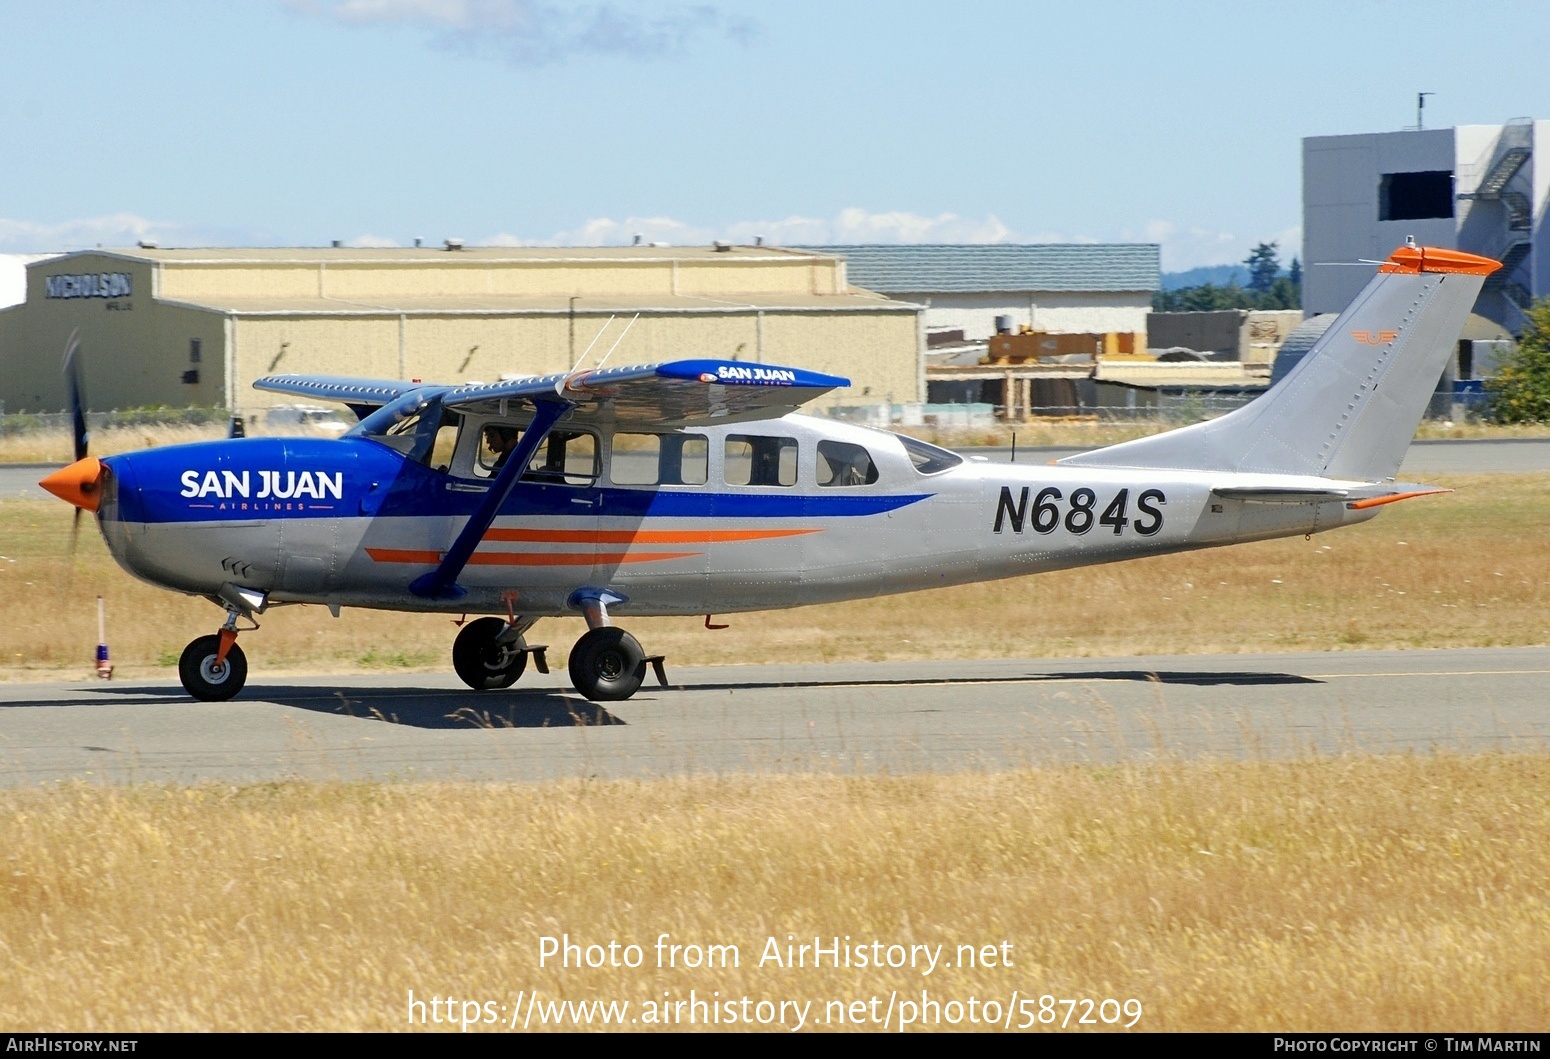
pixel 1472 187
pixel 1051 287
pixel 196 327
pixel 1251 336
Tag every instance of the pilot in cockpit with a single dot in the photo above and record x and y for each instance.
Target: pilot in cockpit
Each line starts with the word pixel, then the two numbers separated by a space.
pixel 501 441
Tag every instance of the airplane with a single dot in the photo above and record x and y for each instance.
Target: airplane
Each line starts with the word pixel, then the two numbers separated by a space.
pixel 695 487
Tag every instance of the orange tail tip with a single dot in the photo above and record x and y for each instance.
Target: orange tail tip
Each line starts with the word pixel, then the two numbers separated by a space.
pixel 80 483
pixel 1379 501
pixel 1416 259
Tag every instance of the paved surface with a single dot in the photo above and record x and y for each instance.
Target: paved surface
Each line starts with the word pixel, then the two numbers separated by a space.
pixel 1506 456
pixel 925 716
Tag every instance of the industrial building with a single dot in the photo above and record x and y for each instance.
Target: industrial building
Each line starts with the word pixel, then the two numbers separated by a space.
pixel 1472 187
pixel 1060 288
pixel 196 327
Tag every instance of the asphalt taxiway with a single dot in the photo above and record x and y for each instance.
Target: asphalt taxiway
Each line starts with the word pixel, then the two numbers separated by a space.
pixel 872 717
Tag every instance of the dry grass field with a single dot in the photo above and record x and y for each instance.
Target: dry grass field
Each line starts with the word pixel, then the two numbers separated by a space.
pixel 1471 568
pixel 1347 894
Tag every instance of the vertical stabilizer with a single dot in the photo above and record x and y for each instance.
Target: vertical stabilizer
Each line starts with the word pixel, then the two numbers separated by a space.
pixel 1349 409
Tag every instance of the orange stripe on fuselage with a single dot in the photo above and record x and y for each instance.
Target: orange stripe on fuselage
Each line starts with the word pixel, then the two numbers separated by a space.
pixel 430 558
pixel 561 536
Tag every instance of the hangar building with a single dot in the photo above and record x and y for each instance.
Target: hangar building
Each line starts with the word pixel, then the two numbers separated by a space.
pixel 1472 187
pixel 1056 287
pixel 196 327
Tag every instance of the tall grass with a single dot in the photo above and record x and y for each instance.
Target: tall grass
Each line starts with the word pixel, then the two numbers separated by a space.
pixel 1401 893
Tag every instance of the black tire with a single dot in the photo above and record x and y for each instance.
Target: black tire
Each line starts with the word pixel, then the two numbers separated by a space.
pixel 200 675
pixel 607 665
pixel 483 664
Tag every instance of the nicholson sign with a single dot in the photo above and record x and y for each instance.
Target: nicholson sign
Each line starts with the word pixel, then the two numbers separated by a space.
pixel 89 285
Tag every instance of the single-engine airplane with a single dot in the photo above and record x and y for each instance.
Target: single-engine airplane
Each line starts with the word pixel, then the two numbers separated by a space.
pixel 692 487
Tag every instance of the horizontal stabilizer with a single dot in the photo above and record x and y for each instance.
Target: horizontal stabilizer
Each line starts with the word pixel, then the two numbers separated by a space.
pixel 1359 496
pixel 1282 496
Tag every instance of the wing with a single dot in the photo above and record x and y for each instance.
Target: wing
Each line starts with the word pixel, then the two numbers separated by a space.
pixel 678 392
pixel 361 395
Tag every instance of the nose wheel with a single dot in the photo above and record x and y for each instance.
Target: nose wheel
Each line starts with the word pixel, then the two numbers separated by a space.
pixel 210 673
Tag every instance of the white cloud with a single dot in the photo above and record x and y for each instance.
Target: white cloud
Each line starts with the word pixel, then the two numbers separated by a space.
pixel 117 230
pixel 13 277
pixel 373 242
pixel 852 225
pixel 534 33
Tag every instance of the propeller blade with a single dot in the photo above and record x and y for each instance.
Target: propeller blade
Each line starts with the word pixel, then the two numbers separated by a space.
pixel 76 390
pixel 75 531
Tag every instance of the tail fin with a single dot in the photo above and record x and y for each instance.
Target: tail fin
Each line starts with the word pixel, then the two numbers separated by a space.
pixel 1350 407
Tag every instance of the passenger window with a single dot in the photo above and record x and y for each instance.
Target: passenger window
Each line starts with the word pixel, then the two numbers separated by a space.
pixel 566 457
pixel 659 459
pixel 928 459
pixel 840 464
pixel 753 460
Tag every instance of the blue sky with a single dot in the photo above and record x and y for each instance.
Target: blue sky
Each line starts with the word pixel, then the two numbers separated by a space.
pixel 296 122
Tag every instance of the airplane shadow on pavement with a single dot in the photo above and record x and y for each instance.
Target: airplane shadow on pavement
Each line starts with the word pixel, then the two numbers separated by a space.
pixel 1198 679
pixel 439 708
pixel 443 708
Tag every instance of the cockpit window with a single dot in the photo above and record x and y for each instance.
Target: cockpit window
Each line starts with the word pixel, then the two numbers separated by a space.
pixel 928 459
pixel 841 463
pixel 565 457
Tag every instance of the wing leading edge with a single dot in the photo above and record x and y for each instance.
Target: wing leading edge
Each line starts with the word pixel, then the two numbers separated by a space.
pixel 677 392
pixel 672 393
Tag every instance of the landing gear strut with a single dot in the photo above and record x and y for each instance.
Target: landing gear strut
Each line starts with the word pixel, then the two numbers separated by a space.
pixel 608 664
pixel 213 668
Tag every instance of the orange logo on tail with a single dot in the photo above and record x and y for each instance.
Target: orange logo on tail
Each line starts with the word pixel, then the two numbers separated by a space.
pixel 1374 338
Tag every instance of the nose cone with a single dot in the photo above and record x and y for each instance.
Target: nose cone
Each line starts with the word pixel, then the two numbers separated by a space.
pixel 80 483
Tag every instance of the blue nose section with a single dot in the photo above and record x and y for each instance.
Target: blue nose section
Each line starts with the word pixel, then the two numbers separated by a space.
pixel 127 505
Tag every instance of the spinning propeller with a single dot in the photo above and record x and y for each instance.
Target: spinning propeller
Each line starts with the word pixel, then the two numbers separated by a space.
pixel 81 482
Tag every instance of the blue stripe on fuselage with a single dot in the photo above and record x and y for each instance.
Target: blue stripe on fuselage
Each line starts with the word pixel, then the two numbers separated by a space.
pixel 378 481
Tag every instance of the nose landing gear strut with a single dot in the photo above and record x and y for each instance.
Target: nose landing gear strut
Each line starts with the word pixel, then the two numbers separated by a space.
pixel 213 668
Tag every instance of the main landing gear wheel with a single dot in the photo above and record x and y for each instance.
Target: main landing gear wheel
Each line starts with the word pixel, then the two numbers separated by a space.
pixel 483 663
pixel 208 680
pixel 607 665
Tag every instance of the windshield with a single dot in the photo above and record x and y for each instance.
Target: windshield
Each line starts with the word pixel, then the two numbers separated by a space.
pixel 409 425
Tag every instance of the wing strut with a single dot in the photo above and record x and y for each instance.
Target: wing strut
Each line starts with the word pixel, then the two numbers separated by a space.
pixel 441 583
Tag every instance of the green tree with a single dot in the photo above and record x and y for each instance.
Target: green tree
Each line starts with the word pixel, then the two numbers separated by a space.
pixel 1520 389
pixel 1264 266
